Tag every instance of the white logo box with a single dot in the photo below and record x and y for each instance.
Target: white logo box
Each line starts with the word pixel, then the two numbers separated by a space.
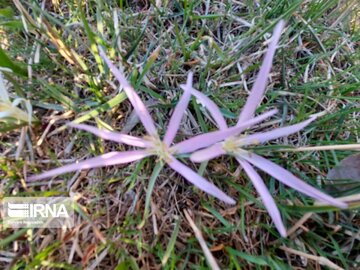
pixel 37 212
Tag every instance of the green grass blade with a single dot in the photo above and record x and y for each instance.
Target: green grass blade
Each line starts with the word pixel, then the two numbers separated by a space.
pixel 156 171
pixel 171 244
pixel 6 62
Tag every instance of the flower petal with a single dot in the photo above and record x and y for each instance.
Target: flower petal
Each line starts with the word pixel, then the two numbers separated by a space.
pixel 178 112
pixel 211 107
pixel 289 179
pixel 135 100
pixel 113 136
pixel 199 181
pixel 108 159
pixel 266 197
pixel 262 137
pixel 206 154
pixel 258 89
pixel 204 140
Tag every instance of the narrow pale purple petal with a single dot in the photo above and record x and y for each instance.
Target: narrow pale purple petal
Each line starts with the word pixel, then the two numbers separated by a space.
pixel 207 139
pixel 199 181
pixel 289 179
pixel 135 100
pixel 178 112
pixel 265 195
pixel 211 107
pixel 258 89
pixel 206 154
pixel 108 159
pixel 262 137
pixel 114 136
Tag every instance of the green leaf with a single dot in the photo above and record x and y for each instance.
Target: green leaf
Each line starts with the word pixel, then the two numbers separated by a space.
pixel 13 25
pixel 12 237
pixel 136 42
pixel 129 263
pixel 172 242
pixel 259 260
pixel 6 12
pixel 150 189
pixel 55 92
pixel 102 108
pixel 5 61
pixel 147 66
pixel 217 215
pixel 92 38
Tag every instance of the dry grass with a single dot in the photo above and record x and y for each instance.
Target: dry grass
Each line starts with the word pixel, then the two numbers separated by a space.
pixel 223 42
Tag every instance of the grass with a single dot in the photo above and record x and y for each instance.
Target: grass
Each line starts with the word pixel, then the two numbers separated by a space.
pixel 127 221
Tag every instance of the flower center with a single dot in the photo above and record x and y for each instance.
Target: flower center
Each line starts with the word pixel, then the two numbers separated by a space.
pixel 233 146
pixel 230 145
pixel 160 149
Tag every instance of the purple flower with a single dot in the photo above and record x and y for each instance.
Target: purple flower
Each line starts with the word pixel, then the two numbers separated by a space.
pixel 234 145
pixel 212 144
pixel 152 145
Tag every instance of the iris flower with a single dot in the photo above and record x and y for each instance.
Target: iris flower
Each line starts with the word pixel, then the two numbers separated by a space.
pixel 234 145
pixel 151 144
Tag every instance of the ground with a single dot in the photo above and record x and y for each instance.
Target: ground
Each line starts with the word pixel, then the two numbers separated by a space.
pixel 56 66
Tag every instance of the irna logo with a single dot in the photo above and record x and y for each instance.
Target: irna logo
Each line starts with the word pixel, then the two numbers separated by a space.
pixel 29 210
pixel 37 212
